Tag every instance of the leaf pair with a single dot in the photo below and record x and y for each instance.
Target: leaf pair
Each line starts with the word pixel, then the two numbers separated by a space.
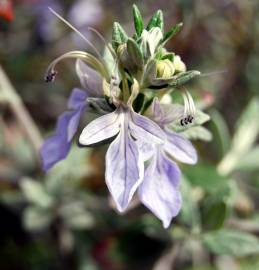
pixel 157 20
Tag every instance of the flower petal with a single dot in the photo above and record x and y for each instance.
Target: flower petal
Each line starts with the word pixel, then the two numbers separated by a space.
pixel 164 114
pixel 160 189
pixel 146 149
pixel 180 148
pixel 172 112
pixel 101 129
pixel 124 169
pixel 77 99
pixel 145 129
pixel 57 146
pixel 90 79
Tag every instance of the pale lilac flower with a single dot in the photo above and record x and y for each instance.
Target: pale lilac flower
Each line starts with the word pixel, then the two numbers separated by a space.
pixel 159 190
pixel 143 153
pixel 124 162
pixel 57 146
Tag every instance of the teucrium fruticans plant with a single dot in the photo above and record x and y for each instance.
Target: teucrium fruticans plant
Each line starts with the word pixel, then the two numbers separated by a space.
pixel 142 131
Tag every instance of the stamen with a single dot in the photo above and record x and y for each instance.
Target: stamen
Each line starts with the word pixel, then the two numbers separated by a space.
pixel 189 109
pixel 191 102
pixel 107 45
pixel 186 104
pixel 77 31
pixel 88 58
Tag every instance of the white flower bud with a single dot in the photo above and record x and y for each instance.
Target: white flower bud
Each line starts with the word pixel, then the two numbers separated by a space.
pixel 150 40
pixel 179 64
pixel 165 69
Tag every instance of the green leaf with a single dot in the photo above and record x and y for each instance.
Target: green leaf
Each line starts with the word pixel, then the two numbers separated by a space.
pixel 108 59
pixel 149 73
pixel 152 22
pixel 231 242
pixel 246 134
pixel 135 53
pixel 138 20
pixel 184 77
pixel 176 80
pixel 160 20
pixel 172 32
pixel 156 21
pixel 119 36
pixel 35 218
pixel 197 133
pixel 35 193
pixel 220 129
pixel 207 177
pixel 76 216
pixel 189 214
pixel 214 214
pixel 250 161
pixel 247 128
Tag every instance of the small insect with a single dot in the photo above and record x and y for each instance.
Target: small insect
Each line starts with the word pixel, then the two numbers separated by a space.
pixel 186 120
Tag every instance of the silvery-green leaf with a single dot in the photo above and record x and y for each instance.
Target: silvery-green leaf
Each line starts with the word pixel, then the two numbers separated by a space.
pixel 184 77
pixel 197 133
pixel 70 168
pixel 176 80
pixel 172 32
pixel 119 36
pixel 35 193
pixel 220 130
pixel 138 20
pixel 249 161
pixel 100 105
pixel 231 242
pixel 108 59
pixel 206 177
pixel 162 81
pixel 190 212
pixel 83 221
pixel 134 52
pixel 35 218
pixel 247 127
pixel 76 216
pixel 149 73
pixel 246 133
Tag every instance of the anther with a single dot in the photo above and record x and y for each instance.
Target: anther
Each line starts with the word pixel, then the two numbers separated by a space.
pixel 186 120
pixel 50 77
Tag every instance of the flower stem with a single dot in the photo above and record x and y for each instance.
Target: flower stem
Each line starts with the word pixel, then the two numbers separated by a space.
pixel 10 96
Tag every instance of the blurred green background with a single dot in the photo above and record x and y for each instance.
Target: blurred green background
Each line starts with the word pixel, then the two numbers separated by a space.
pixel 65 219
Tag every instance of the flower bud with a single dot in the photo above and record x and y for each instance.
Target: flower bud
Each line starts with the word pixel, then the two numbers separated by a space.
pixel 124 57
pixel 150 41
pixel 165 69
pixel 179 64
